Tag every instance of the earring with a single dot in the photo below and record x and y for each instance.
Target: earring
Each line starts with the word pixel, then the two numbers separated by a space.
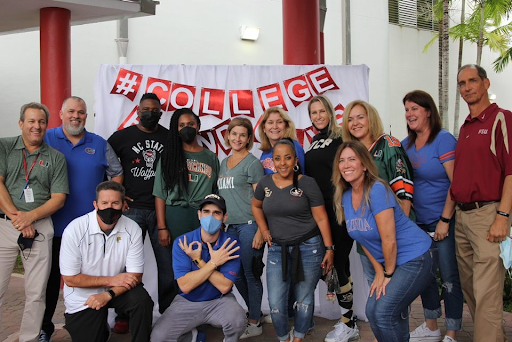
pixel 296 168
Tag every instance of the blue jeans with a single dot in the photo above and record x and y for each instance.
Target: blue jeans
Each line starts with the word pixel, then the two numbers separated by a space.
pixel 451 288
pixel 247 284
pixel 312 253
pixel 388 315
pixel 146 219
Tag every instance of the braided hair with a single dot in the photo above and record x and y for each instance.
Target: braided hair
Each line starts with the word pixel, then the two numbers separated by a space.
pixel 174 162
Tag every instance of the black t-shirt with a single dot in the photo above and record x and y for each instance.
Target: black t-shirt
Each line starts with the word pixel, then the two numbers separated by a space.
pixel 139 153
pixel 319 162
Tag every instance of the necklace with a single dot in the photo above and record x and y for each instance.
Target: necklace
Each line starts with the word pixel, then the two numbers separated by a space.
pixel 278 179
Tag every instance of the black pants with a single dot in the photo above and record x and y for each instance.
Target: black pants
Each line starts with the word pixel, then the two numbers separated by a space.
pixel 52 289
pixel 91 325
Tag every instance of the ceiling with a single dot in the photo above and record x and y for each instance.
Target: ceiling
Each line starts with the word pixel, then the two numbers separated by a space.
pixel 23 15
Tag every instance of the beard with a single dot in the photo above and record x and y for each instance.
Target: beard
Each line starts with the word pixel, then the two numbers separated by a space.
pixel 74 130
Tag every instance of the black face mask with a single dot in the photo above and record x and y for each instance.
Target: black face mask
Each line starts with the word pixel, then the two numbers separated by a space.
pixel 109 215
pixel 149 119
pixel 188 134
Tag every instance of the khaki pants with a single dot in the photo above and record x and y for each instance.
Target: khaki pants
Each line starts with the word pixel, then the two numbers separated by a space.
pixel 37 262
pixel 481 270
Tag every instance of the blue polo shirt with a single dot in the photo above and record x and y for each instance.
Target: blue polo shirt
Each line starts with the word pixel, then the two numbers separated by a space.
pixel 182 264
pixel 87 163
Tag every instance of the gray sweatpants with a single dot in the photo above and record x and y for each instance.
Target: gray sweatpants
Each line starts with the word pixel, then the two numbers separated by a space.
pixel 183 316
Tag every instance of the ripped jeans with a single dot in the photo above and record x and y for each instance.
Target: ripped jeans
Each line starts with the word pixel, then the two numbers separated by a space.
pixel 451 288
pixel 312 253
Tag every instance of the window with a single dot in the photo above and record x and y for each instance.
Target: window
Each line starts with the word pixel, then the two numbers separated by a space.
pixel 413 13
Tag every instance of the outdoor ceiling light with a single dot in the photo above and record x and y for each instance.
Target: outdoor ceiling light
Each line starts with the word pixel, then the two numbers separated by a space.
pixel 249 32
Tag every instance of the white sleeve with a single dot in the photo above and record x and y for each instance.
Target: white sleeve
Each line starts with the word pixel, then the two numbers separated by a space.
pixel 135 257
pixel 70 257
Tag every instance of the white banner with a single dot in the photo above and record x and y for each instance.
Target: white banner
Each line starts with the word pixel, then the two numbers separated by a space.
pixel 219 93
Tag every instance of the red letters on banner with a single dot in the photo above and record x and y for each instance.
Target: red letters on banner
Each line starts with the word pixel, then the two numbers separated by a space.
pixel 298 90
pixel 127 83
pixel 182 96
pixel 162 89
pixel 241 103
pixel 307 133
pixel 212 102
pixel 321 80
pixel 214 137
pixel 131 119
pixel 271 96
pixel 339 110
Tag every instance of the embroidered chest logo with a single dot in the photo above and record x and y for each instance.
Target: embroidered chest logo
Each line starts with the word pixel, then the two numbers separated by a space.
pixel 296 192
pixel 44 164
pixel 483 131
pixel 90 150
pixel 268 192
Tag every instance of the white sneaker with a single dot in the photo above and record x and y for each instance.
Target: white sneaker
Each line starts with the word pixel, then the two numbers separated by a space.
pixel 342 333
pixel 449 339
pixel 422 333
pixel 251 331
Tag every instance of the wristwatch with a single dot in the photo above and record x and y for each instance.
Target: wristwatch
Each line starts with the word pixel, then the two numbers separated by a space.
pixel 330 248
pixel 112 293
pixel 197 261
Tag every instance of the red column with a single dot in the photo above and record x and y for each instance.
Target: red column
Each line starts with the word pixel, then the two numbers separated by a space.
pixel 322 47
pixel 301 32
pixel 55 41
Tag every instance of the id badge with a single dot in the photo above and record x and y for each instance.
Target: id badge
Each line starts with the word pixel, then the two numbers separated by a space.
pixel 29 195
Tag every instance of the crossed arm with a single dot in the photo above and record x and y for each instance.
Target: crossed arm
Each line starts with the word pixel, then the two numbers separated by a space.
pixel 207 270
pixel 120 284
pixel 23 220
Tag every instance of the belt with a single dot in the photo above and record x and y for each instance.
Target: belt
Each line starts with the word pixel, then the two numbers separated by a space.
pixel 473 205
pixel 3 216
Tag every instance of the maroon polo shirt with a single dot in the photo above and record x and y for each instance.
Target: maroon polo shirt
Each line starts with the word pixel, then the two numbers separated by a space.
pixel 481 164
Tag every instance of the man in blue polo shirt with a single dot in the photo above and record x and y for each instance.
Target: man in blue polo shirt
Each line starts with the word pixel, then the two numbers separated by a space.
pixel 206 263
pixel 89 158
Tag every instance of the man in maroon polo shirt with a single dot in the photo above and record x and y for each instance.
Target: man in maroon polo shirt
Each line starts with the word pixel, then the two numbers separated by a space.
pixel 482 189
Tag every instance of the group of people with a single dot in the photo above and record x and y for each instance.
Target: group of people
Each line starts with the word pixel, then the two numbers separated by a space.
pixel 426 203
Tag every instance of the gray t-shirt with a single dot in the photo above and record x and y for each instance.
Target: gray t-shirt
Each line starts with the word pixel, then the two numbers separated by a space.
pixel 235 185
pixel 288 210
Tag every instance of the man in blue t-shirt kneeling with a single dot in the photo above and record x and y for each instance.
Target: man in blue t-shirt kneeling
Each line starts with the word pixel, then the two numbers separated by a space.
pixel 206 263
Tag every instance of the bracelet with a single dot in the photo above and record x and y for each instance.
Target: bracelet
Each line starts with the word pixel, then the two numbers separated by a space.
pixel 111 293
pixel 444 219
pixel 214 264
pixel 388 275
pixel 502 213
pixel 162 228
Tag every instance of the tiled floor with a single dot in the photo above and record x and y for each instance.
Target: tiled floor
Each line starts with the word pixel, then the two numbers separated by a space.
pixel 12 312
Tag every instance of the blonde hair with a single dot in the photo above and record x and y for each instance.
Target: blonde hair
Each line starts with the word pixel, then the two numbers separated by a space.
pixel 376 128
pixel 243 122
pixel 290 127
pixel 335 130
pixel 341 185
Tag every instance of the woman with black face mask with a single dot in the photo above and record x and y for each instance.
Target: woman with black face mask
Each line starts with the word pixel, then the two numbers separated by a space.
pixel 185 174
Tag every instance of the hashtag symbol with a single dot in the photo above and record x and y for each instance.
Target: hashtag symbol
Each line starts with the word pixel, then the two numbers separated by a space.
pixel 127 84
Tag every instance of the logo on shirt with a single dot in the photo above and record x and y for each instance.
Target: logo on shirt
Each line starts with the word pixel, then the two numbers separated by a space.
pixel 483 131
pixel 268 192
pixel 359 224
pixel 322 143
pixel 90 150
pixel 297 192
pixel 149 157
pixel 198 167
pixel 268 164
pixel 400 167
pixel 378 154
pixel 226 183
pixel 44 164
